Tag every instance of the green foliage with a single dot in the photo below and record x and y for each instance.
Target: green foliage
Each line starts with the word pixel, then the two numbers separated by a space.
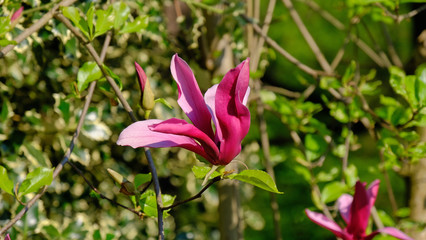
pixel 257 178
pixel 88 73
pixel 201 171
pixel 5 183
pixel 35 180
pixel 148 203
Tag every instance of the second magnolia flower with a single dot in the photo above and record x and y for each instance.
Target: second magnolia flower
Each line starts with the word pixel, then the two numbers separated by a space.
pixel 223 103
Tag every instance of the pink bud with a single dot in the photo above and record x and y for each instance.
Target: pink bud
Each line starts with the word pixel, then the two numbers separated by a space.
pixel 17 14
pixel 7 237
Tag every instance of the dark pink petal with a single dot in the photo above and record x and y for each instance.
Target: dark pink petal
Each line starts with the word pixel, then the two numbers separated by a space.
pixel 232 115
pixel 17 14
pixel 360 210
pixel 138 135
pixel 190 98
pixel 344 205
pixel 7 237
pixel 141 76
pixel 326 223
pixel 390 231
pixel 181 127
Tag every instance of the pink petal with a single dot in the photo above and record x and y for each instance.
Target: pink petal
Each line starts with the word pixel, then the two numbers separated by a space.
pixel 372 191
pixel 17 14
pixel 210 98
pixel 360 210
pixel 395 233
pixel 326 223
pixel 190 98
pixel 138 135
pixel 141 76
pixel 344 204
pixel 7 237
pixel 232 115
pixel 181 127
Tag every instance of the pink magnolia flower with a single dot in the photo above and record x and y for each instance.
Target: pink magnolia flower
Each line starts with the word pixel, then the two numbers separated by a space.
pixel 7 237
pixel 224 104
pixel 355 211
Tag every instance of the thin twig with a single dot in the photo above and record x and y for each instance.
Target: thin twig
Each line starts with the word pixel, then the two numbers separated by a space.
pixel 340 26
pixel 140 214
pixel 66 158
pixel 400 18
pixel 129 110
pixel 288 56
pixel 282 91
pixel 36 26
pixel 382 54
pixel 391 48
pixel 308 37
pixel 198 195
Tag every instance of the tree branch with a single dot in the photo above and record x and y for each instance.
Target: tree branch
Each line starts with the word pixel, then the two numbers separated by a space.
pixel 36 26
pixel 198 195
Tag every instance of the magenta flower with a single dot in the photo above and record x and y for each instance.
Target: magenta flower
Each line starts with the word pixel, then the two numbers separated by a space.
pixel 224 104
pixel 16 14
pixel 7 237
pixel 355 211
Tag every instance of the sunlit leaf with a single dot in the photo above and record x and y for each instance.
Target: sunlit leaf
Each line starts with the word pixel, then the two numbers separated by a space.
pixel 148 203
pixel 141 179
pixel 36 179
pixel 332 191
pixel 5 183
pixel 87 73
pixel 137 25
pixel 257 178
pixel 104 21
pixel 201 171
pixel 121 13
pixel 315 146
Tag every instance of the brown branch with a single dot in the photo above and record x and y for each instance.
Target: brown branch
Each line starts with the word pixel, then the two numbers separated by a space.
pixel 280 50
pixel 400 18
pixel 198 195
pixel 140 214
pixel 308 37
pixel 36 26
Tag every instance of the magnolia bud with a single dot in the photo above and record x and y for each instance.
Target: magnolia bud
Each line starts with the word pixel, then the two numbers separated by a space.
pixel 15 16
pixel 127 188
pixel 147 96
pixel 116 176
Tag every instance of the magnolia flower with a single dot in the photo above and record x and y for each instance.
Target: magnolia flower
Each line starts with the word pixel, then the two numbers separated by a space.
pixel 16 14
pixel 224 104
pixel 355 211
pixel 7 237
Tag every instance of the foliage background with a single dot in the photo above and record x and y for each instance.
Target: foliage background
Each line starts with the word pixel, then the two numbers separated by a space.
pixel 40 109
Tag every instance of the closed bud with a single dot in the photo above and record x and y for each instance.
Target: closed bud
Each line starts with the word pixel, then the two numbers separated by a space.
pixel 147 96
pixel 116 176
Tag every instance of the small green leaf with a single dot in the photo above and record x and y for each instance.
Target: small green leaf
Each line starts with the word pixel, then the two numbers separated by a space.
pixel 4 25
pixel 351 175
pixel 257 178
pixel 114 76
pixel 333 191
pixel 137 25
pixel 164 102
pixel 201 171
pixel 88 73
pixel 121 13
pixel 39 177
pixel 315 146
pixel 141 179
pixel 52 232
pixel 73 14
pixel 104 21
pixel 90 15
pixel 5 183
pixel 148 203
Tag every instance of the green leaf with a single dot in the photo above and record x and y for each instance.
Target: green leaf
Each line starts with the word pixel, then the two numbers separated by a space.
pixel 5 42
pixel 201 171
pixel 148 203
pixel 90 15
pixel 333 191
pixel 257 178
pixel 141 179
pixel 137 25
pixel 88 73
pixel 52 232
pixel 5 183
pixel 121 13
pixel 164 102
pixel 73 14
pixel 104 21
pixel 4 25
pixel 39 177
pixel 315 146
pixel 114 76
pixel 351 175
